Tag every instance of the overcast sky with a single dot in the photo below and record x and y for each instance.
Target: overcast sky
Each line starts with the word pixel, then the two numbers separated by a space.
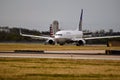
pixel 39 14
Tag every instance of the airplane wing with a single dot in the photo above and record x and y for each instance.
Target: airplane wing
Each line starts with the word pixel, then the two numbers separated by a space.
pixel 34 36
pixel 90 38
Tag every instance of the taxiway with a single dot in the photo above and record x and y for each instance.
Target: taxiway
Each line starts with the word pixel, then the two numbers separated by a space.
pixel 84 54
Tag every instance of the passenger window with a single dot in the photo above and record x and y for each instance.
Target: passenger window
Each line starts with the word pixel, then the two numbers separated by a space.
pixel 68 33
pixel 59 34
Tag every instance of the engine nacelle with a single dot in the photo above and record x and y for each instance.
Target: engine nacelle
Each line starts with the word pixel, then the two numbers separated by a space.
pixel 50 41
pixel 80 42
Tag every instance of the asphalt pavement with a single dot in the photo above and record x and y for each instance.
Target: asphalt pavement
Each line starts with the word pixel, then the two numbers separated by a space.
pixel 81 54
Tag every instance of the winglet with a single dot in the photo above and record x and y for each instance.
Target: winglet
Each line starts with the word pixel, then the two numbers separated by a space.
pixel 80 23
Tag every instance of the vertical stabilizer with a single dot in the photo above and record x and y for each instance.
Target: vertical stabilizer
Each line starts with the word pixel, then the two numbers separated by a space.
pixel 51 31
pixel 80 23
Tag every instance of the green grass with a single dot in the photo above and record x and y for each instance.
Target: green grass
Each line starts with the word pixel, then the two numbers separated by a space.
pixel 58 69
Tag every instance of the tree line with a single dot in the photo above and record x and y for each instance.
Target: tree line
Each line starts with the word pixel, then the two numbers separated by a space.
pixel 13 35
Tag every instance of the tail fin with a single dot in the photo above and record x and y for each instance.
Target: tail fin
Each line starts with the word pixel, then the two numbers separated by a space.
pixel 80 23
pixel 51 31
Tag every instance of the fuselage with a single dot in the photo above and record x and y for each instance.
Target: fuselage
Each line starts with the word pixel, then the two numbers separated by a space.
pixel 67 35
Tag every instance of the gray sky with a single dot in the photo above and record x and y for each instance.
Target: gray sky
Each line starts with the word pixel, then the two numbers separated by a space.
pixel 39 14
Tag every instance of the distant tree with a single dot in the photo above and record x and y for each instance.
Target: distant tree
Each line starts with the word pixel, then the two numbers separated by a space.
pixel 45 33
pixel 14 35
pixel 110 31
pixel 102 31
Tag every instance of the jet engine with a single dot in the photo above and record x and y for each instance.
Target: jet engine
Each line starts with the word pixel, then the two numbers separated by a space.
pixel 50 41
pixel 80 42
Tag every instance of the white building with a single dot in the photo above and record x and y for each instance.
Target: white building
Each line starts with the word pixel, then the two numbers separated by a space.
pixel 5 29
pixel 55 26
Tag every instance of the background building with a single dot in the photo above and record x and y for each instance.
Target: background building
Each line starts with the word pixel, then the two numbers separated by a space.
pixel 5 29
pixel 55 26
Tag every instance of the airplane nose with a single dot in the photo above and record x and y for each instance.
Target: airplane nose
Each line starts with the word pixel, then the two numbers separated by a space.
pixel 57 37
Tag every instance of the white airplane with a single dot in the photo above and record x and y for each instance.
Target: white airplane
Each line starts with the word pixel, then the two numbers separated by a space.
pixel 68 36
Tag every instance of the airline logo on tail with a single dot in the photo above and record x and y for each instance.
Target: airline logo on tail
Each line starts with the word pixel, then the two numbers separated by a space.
pixel 51 31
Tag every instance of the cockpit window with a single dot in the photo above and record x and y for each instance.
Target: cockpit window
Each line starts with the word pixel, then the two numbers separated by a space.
pixel 59 34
